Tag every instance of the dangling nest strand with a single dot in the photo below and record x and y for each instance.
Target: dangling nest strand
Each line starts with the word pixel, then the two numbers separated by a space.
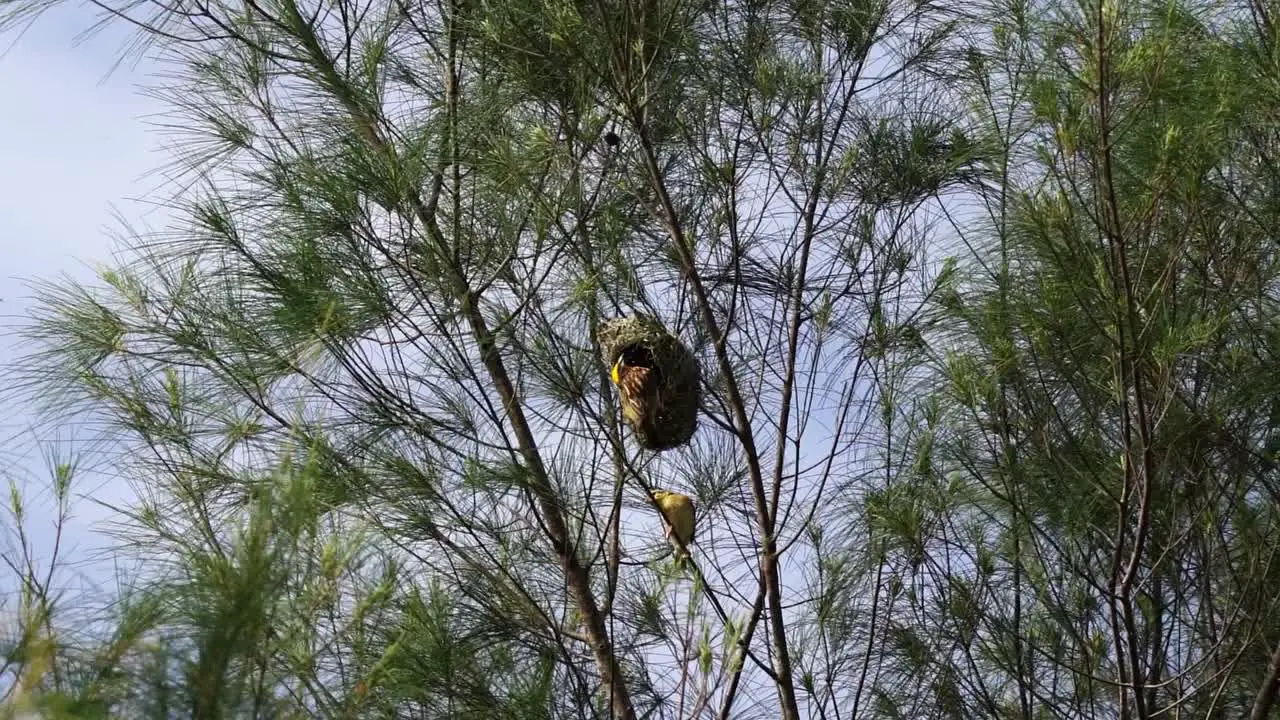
pixel 658 380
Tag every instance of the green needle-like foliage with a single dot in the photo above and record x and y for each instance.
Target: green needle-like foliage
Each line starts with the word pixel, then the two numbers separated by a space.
pixel 982 299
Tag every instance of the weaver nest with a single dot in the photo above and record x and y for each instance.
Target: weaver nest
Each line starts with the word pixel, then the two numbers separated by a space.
pixel 657 378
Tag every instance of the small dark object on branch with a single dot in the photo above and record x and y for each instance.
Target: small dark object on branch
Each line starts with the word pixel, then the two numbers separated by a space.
pixel 611 139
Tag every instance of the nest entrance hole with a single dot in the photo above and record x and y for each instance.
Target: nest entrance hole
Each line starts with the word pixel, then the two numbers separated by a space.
pixel 638 355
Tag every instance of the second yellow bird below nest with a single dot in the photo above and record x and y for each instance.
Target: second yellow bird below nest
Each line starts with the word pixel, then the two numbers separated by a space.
pixel 678 511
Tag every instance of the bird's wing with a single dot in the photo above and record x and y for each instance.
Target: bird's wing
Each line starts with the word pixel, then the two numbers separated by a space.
pixel 633 380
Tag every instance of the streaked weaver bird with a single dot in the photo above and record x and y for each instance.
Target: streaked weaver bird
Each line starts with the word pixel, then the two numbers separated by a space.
pixel 679 519
pixel 637 382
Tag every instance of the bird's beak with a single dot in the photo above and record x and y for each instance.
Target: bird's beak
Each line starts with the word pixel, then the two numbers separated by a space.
pixel 613 373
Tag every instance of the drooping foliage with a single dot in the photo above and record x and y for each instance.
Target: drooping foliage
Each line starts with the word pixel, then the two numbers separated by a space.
pixel 982 299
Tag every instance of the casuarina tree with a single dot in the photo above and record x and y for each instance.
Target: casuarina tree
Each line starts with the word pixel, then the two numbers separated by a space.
pixel 981 300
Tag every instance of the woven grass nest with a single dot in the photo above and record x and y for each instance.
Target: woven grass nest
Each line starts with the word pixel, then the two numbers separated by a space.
pixel 670 414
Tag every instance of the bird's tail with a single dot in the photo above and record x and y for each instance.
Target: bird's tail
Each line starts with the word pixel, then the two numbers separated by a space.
pixel 680 556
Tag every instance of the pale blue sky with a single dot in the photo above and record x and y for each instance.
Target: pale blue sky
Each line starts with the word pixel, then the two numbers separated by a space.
pixel 75 148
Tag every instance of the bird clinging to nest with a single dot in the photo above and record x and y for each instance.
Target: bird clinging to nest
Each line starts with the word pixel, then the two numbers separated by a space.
pixel 637 379
pixel 679 520
pixel 657 379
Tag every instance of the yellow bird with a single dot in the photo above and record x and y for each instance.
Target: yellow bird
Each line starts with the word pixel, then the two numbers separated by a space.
pixel 678 514
pixel 637 383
